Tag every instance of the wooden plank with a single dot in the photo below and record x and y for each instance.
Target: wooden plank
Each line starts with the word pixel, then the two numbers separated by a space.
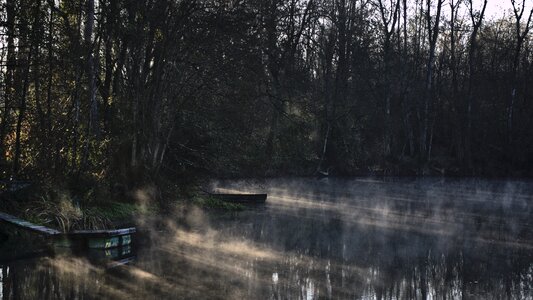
pixel 103 233
pixel 93 242
pixel 27 225
pixel 104 243
pixel 64 242
pixel 109 242
pixel 241 198
pixel 125 240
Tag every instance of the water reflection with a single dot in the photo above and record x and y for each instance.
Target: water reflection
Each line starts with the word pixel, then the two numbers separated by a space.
pixel 344 239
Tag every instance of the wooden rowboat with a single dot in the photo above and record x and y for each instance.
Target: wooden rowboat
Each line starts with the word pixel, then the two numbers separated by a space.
pixel 94 239
pixel 241 198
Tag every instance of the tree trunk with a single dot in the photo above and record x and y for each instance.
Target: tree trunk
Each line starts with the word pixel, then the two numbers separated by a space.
pixel 477 20
pixel 389 17
pixel 433 33
pixel 48 131
pixel 92 126
pixel 21 114
pixel 8 93
pixel 521 35
pixel 324 150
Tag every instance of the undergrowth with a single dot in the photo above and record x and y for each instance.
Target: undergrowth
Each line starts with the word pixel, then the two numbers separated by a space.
pixel 56 207
pixel 66 209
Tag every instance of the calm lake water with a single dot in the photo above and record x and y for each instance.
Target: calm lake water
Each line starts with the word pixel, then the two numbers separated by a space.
pixel 328 239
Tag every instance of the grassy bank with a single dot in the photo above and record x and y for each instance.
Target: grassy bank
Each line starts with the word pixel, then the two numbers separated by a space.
pixel 100 207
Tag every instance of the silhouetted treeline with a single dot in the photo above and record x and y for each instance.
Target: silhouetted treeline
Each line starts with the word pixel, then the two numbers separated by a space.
pixel 130 89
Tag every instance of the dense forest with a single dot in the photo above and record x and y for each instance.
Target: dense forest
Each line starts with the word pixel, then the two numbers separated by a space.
pixel 132 90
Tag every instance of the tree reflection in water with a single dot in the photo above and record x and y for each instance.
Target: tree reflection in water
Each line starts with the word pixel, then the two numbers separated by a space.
pixel 424 239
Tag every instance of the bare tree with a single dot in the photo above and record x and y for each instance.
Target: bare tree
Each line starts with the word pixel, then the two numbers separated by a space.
pixel 433 30
pixel 389 14
pixel 521 32
pixel 476 18
pixel 454 10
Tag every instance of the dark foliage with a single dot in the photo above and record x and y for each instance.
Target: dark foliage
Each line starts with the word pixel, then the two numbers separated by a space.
pixel 134 91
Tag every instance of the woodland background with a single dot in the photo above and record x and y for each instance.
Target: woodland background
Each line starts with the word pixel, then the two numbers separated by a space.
pixel 130 91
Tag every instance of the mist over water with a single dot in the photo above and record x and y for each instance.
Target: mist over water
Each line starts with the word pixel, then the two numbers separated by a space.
pixel 315 239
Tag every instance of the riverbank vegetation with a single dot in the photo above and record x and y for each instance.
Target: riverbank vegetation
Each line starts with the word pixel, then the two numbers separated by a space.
pixel 133 93
pixel 67 208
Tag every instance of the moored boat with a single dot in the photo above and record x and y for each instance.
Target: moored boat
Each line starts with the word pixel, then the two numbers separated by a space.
pixel 241 198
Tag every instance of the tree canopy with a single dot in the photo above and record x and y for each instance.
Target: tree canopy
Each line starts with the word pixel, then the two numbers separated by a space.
pixel 132 90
